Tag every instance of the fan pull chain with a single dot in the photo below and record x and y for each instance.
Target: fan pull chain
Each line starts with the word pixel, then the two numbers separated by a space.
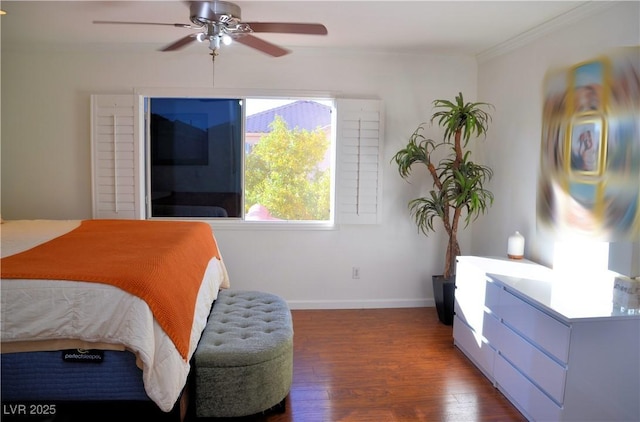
pixel 213 67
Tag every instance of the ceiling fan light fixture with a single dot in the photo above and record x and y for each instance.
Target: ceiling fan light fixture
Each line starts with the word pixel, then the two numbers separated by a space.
pixel 219 23
pixel 214 44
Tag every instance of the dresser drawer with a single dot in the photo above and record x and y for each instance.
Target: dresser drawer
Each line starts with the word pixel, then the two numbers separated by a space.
pixel 526 396
pixel 492 297
pixel 538 327
pixel 531 362
pixel 491 328
pixel 474 346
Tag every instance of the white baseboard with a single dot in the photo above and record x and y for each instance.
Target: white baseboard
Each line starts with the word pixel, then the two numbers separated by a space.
pixel 360 304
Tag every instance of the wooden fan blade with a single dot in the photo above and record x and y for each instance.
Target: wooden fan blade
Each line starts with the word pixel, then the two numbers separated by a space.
pixel 177 25
pixel 262 45
pixel 180 43
pixel 288 28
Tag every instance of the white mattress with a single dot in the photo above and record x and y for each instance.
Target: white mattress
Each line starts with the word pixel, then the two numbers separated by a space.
pixel 36 314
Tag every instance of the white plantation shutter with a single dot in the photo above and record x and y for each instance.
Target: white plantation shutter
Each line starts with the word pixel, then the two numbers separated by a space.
pixel 115 157
pixel 359 173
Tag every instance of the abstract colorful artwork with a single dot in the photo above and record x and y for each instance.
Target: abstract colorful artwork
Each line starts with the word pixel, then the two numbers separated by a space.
pixel 589 176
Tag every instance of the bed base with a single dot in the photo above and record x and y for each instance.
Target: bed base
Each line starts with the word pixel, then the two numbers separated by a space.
pixel 41 387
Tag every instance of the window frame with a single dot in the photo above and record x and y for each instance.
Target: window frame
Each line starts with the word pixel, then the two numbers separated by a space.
pixel 238 222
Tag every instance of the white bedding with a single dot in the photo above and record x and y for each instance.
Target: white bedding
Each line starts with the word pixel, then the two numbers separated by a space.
pixel 37 313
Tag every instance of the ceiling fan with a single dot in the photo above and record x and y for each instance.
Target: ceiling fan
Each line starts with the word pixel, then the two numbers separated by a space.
pixel 220 22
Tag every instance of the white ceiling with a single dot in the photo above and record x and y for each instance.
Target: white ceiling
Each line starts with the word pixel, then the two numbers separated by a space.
pixel 465 27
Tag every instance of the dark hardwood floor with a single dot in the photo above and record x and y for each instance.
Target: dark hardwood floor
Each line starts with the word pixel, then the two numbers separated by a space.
pixel 383 365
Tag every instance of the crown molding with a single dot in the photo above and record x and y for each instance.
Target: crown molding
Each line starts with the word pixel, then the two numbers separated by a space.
pixel 576 14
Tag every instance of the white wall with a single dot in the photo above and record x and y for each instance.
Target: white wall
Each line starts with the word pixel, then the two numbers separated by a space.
pixel 46 158
pixel 513 82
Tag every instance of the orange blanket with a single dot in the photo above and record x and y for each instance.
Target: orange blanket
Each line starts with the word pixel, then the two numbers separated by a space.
pixel 161 262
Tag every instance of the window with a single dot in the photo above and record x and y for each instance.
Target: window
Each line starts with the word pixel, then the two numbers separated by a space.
pixel 288 160
pixel 195 161
pixel 202 166
pixel 236 158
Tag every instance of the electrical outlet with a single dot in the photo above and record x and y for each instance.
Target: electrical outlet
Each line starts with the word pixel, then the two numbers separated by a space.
pixel 355 273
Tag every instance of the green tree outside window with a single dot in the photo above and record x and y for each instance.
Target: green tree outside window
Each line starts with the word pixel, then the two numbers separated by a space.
pixel 283 173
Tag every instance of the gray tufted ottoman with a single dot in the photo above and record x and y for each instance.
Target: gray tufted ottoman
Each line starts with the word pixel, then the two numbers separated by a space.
pixel 244 361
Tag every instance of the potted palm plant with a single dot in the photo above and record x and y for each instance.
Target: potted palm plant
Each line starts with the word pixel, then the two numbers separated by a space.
pixel 458 194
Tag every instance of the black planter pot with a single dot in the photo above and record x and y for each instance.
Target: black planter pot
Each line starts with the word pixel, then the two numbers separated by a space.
pixel 444 296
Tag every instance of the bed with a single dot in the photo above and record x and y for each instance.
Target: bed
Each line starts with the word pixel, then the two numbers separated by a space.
pixel 101 310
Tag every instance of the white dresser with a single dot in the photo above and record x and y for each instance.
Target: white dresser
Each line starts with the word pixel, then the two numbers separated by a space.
pixel 556 348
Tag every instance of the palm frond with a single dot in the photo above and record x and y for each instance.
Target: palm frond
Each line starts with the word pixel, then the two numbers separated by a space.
pixel 468 118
